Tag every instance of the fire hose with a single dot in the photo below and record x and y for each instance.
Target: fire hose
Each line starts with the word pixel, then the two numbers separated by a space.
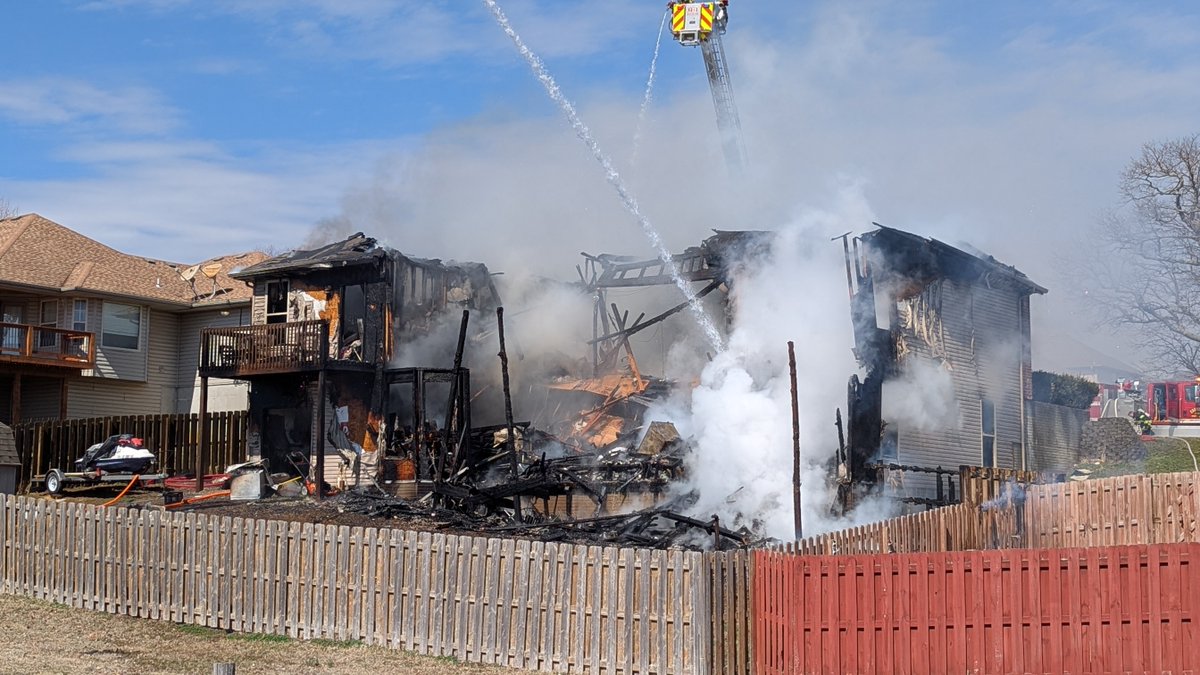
pixel 118 498
pixel 198 498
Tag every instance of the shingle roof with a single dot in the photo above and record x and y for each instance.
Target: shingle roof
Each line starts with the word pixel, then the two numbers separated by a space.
pixel 910 255
pixel 358 249
pixel 38 252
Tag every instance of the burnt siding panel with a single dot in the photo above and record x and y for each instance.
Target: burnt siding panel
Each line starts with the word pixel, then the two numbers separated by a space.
pixel 979 346
pixel 258 304
pixel 1000 348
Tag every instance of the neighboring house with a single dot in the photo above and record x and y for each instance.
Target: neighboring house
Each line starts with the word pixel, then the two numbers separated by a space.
pixel 89 331
pixel 326 324
pixel 944 338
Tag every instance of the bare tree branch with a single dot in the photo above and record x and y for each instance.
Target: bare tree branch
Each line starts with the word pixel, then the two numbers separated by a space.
pixel 1152 279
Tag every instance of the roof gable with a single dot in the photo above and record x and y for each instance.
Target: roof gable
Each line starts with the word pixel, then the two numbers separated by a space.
pixel 37 252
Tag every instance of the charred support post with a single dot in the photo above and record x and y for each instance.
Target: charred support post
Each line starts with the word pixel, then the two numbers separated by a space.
pixel 799 516
pixel 202 435
pixel 508 414
pixel 319 479
pixel 15 411
pixel 451 408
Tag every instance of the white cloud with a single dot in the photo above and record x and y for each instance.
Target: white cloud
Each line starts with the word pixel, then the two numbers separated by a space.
pixel 190 200
pixel 126 109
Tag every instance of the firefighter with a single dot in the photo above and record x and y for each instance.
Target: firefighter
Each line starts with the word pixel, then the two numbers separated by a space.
pixel 1141 421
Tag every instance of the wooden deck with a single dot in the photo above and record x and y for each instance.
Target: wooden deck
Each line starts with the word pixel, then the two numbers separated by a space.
pixel 23 344
pixel 266 349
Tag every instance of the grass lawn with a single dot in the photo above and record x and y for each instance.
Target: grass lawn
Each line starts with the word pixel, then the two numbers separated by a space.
pixel 1163 455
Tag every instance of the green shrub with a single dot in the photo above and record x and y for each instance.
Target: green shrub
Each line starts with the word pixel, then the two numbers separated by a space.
pixel 1060 389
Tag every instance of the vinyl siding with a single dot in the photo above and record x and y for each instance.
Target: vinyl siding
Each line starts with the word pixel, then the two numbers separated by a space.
pixel 121 364
pixel 113 392
pixel 222 394
pixel 40 398
pixel 982 349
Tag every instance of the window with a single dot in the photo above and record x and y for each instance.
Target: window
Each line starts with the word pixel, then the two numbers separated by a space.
pixel 79 315
pixel 988 431
pixel 77 345
pixel 49 319
pixel 888 449
pixel 121 325
pixel 277 301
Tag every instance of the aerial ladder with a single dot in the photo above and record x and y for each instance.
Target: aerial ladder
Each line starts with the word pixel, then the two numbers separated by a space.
pixel 703 24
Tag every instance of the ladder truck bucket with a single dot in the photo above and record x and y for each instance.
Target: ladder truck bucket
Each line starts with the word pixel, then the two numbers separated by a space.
pixel 695 22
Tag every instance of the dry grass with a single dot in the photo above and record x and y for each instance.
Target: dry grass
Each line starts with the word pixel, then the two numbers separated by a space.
pixel 41 637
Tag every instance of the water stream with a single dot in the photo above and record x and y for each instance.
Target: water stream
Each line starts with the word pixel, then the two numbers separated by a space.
pixel 610 172
pixel 637 130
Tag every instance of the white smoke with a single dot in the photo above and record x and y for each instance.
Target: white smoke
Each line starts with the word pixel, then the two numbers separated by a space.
pixel 739 417
pixel 923 397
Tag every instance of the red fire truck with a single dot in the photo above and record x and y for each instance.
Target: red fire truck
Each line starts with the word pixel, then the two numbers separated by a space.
pixel 1173 401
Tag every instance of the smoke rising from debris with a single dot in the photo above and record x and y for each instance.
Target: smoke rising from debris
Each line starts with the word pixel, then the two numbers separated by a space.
pixel 519 194
pixel 739 417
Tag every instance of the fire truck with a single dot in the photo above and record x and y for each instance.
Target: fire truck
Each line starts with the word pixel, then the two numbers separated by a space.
pixel 703 24
pixel 1173 402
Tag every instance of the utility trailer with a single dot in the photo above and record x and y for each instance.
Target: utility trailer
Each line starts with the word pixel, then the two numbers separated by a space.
pixel 117 459
pixel 55 480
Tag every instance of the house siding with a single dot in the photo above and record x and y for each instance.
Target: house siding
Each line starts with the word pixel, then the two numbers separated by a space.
pixel 977 339
pixel 222 394
pixel 122 364
pixel 40 398
pixel 115 389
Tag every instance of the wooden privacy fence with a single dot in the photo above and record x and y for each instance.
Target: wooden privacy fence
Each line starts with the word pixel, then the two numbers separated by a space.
pixel 1098 610
pixel 951 528
pixel 174 439
pixel 1140 509
pixel 532 605
pixel 1143 509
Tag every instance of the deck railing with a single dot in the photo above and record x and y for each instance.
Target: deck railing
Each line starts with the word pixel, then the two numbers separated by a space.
pixel 40 345
pixel 263 349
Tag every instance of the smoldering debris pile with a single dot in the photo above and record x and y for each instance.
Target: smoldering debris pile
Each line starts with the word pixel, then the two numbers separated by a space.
pixel 659 528
pixel 556 492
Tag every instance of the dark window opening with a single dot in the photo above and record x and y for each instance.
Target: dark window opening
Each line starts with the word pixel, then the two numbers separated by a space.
pixel 888 449
pixel 988 432
pixel 277 301
pixel 354 313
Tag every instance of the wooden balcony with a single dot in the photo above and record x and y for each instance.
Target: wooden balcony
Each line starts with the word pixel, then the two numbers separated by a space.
pixel 35 345
pixel 266 349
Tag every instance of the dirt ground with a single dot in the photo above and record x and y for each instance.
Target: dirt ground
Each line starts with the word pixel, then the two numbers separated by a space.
pixel 42 637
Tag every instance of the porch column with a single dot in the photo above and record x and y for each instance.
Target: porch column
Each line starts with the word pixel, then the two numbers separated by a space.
pixel 319 440
pixel 63 399
pixel 15 411
pixel 202 435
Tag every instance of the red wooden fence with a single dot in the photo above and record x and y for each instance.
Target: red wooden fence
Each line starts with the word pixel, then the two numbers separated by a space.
pixel 1127 609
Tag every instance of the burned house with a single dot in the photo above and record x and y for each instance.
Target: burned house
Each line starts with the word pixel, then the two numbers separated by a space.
pixel 326 325
pixel 943 337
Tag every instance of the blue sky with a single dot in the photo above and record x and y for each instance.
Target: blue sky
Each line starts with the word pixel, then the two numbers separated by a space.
pixel 182 129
